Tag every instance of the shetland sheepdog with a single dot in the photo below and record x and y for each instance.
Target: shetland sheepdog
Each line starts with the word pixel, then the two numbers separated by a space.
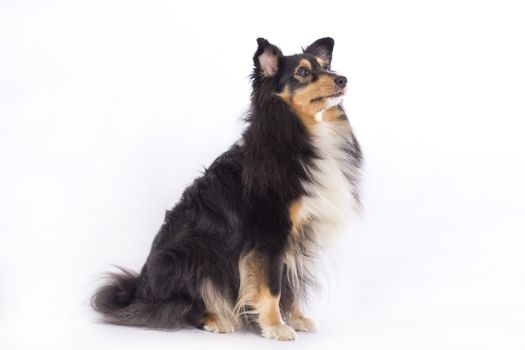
pixel 239 249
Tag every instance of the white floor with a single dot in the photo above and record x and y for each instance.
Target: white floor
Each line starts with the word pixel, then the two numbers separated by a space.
pixel 379 295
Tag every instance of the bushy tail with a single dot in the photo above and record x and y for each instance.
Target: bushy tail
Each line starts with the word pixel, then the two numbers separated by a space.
pixel 116 301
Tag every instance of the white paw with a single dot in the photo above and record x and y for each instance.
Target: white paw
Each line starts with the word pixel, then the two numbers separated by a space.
pixel 279 332
pixel 218 327
pixel 303 324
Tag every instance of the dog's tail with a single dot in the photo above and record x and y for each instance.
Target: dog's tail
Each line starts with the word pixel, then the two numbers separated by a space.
pixel 116 301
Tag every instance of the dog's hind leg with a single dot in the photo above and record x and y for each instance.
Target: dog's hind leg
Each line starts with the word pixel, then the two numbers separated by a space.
pixel 219 316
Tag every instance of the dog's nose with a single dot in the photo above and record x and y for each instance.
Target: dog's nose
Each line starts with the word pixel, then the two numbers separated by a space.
pixel 340 81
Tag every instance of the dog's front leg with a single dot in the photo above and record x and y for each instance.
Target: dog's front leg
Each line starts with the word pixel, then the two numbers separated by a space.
pixel 298 321
pixel 260 291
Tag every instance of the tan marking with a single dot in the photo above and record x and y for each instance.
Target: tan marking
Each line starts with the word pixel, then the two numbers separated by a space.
pixel 300 257
pixel 268 308
pixel 321 62
pixel 218 306
pixel 209 318
pixel 305 63
pixel 294 311
pixel 295 209
pixel 255 294
pixel 296 319
pixel 301 100
pixel 213 323
pixel 251 281
pixel 332 114
pixel 302 324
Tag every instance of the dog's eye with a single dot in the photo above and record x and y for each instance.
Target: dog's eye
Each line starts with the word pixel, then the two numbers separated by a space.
pixel 303 72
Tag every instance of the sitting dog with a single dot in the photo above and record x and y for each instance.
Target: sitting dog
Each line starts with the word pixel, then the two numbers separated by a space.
pixel 239 249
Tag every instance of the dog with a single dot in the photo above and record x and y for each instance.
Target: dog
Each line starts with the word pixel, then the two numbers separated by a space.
pixel 239 249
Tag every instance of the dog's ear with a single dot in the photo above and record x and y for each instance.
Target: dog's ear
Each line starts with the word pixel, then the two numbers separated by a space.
pixel 322 48
pixel 266 58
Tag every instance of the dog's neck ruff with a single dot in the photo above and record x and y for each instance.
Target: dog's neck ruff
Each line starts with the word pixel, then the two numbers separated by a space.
pixel 329 200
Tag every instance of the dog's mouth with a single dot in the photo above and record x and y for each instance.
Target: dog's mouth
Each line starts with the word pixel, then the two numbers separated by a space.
pixel 337 94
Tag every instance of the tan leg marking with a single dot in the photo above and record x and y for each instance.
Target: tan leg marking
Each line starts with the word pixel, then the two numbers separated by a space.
pixel 254 293
pixel 220 317
pixel 270 320
pixel 300 323
pixel 213 323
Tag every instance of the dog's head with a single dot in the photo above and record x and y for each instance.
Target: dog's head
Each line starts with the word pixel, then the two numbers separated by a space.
pixel 304 81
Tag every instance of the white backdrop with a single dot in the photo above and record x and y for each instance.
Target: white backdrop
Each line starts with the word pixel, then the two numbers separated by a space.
pixel 108 109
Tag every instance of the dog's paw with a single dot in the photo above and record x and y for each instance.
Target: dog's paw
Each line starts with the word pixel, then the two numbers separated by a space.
pixel 279 332
pixel 218 326
pixel 303 324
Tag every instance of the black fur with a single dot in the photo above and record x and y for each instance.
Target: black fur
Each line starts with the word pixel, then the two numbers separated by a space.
pixel 239 204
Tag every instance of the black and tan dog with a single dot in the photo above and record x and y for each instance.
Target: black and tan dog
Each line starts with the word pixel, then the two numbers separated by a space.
pixel 239 249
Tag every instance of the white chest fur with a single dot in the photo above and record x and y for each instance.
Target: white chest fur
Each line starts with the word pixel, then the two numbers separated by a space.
pixel 328 204
pixel 330 199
